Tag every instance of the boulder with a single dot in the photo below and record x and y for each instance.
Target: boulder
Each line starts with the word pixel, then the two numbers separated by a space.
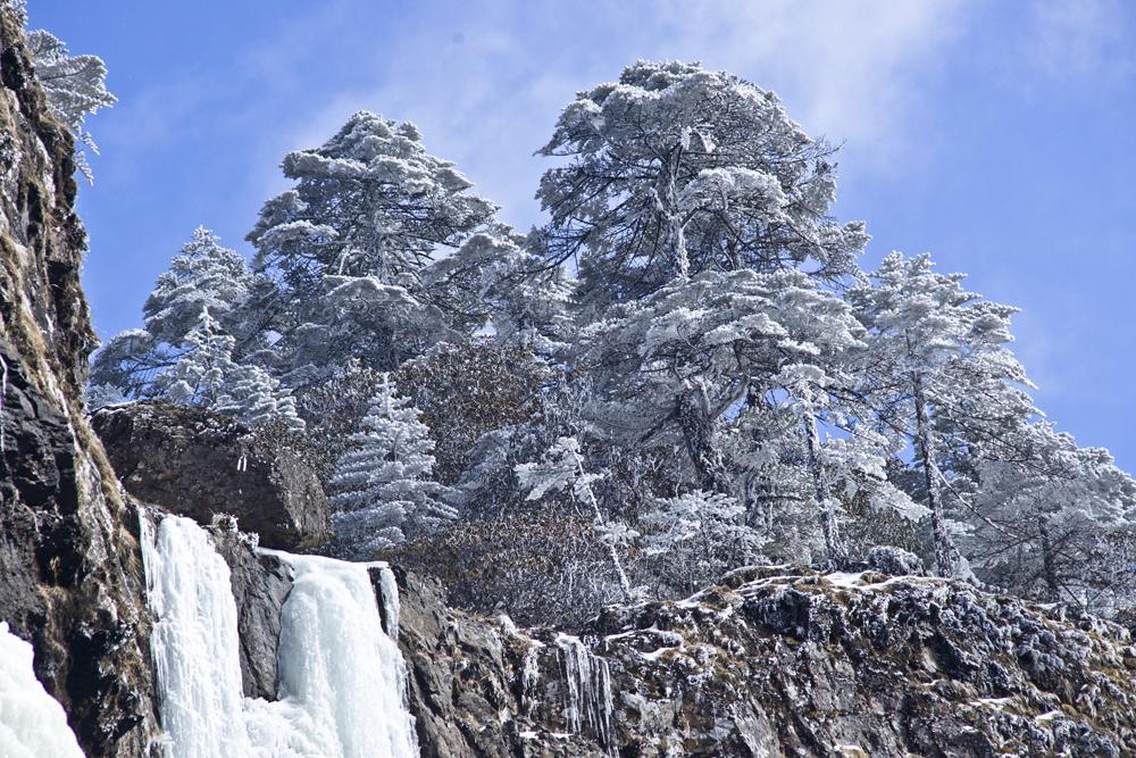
pixel 200 464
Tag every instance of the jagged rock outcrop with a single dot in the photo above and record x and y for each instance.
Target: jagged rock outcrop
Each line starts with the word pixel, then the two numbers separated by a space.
pixel 71 579
pixel 261 584
pixel 777 662
pixel 196 463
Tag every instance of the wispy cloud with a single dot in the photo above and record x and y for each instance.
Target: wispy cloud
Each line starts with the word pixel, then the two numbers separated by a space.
pixel 1077 38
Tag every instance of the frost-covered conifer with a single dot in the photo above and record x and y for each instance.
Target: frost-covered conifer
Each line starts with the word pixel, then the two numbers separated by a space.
pixel 203 276
pixel 206 359
pixel 675 170
pixel 562 468
pixel 346 246
pixel 75 86
pixel 383 488
pixel 697 537
pixel 925 332
pixel 1043 515
pixel 491 280
pixel 206 375
pixel 668 366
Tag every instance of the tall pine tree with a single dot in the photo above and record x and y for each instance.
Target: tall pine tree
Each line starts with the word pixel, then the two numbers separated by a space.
pixel 383 488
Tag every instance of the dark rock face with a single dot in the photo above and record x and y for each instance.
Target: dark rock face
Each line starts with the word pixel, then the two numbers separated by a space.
pixel 778 662
pixel 71 579
pixel 196 463
pixel 261 584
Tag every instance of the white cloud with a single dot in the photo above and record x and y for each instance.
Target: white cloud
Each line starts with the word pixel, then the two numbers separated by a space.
pixel 486 84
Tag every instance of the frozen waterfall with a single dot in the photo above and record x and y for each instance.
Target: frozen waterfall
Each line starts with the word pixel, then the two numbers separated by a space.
pixel 32 722
pixel 341 678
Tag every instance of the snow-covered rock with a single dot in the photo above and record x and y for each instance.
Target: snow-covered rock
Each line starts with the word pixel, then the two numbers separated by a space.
pixel 779 661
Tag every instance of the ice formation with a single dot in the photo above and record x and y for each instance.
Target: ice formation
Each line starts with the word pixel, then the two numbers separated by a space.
pixel 194 641
pixel 32 722
pixel 588 699
pixel 390 601
pixel 341 679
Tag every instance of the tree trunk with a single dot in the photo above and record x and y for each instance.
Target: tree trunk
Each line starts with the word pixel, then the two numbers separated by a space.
pixel 667 193
pixel 612 553
pixel 1048 562
pixel 946 555
pixel 698 434
pixel 825 503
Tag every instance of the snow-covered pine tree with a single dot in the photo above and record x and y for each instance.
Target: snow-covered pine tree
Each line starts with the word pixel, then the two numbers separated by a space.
pixel 696 537
pixel 925 332
pixel 203 276
pixel 75 86
pixel 562 468
pixel 1043 514
pixel 206 375
pixel 383 490
pixel 205 360
pixel 675 170
pixel 668 366
pixel 491 280
pixel 345 247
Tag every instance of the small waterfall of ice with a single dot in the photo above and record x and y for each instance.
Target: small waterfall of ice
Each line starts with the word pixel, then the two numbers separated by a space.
pixel 32 722
pixel 194 640
pixel 530 677
pixel 338 665
pixel 588 700
pixel 341 679
pixel 391 610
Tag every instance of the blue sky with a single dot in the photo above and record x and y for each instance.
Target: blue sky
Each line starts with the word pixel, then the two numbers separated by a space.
pixel 997 135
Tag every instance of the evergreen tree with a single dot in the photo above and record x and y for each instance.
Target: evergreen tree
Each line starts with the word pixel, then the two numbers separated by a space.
pixel 1043 515
pixel 206 375
pixel 345 248
pixel 924 332
pixel 492 281
pixel 670 365
pixel 202 277
pixel 675 170
pixel 383 489
pixel 75 86
pixel 562 468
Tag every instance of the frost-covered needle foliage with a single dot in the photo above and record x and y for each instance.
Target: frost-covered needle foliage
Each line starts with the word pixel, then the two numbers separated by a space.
pixel 681 371
pixel 383 489
pixel 75 85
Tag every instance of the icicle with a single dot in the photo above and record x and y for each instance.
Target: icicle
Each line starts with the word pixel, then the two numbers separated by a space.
pixel 32 722
pixel 389 588
pixel 3 393
pixel 530 677
pixel 588 697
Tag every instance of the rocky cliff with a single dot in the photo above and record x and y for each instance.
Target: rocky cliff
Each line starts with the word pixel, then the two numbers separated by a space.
pixel 772 661
pixel 777 662
pixel 70 576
